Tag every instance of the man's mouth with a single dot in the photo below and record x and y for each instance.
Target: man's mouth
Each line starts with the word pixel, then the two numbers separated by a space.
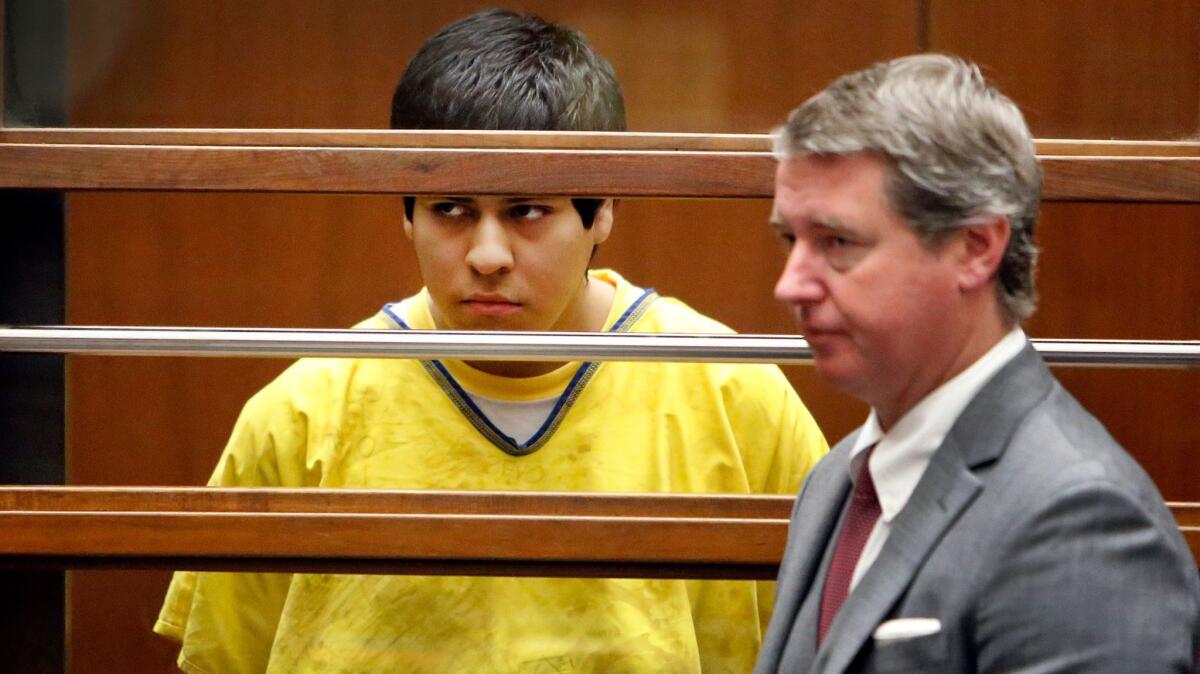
pixel 817 336
pixel 487 304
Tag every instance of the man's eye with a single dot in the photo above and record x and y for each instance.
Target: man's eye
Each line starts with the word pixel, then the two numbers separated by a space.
pixel 788 239
pixel 833 242
pixel 449 209
pixel 528 212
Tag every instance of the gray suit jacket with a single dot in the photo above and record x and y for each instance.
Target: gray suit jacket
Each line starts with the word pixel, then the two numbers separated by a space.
pixel 1034 539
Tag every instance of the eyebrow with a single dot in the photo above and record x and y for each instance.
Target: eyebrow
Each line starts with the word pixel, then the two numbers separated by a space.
pixel 776 223
pixel 824 223
pixel 833 225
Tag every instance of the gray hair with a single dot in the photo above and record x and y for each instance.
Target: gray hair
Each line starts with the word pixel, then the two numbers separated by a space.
pixel 959 150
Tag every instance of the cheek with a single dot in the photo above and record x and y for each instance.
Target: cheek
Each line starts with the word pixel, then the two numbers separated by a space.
pixel 562 258
pixel 437 264
pixel 438 248
pixel 911 313
pixel 877 305
pixel 427 255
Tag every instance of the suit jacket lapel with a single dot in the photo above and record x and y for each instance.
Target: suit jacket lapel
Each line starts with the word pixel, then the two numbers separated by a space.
pixel 985 426
pixel 821 499
pixel 946 488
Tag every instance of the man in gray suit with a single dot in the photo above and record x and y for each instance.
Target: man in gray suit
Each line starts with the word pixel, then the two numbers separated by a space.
pixel 980 520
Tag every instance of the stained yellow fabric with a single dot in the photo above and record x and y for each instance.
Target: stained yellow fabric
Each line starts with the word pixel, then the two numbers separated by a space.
pixel 367 423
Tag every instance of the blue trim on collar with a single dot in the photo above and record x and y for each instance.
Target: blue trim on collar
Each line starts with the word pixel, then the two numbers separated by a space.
pixel 461 399
pixel 549 423
pixel 465 398
pixel 620 323
pixel 388 309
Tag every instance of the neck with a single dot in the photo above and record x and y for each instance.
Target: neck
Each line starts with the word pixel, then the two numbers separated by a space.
pixel 977 339
pixel 514 369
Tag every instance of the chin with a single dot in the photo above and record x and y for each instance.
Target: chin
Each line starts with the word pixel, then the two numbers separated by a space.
pixel 502 324
pixel 841 372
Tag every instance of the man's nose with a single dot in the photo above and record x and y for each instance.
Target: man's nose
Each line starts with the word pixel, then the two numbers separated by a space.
pixel 490 252
pixel 801 282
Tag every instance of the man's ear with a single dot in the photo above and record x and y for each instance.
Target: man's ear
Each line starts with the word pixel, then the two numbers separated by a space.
pixel 984 240
pixel 602 223
pixel 410 212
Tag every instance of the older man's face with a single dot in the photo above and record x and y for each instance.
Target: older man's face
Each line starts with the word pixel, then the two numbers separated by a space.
pixel 870 298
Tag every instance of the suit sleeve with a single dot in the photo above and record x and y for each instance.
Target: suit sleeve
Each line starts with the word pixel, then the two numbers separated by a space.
pixel 226 622
pixel 1089 583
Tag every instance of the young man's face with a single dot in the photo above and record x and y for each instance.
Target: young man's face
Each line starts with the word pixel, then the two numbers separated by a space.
pixel 505 263
pixel 872 299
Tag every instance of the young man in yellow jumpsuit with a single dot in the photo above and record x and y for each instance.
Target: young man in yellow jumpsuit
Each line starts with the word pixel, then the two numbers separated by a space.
pixel 502 263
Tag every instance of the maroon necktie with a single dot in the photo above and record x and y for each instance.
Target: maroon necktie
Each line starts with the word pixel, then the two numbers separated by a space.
pixel 860 520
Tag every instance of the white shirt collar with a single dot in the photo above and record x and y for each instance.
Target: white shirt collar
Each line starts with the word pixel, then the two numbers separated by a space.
pixel 902 454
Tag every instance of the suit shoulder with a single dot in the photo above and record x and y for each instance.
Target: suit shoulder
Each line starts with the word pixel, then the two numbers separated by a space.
pixel 1065 442
pixel 1061 465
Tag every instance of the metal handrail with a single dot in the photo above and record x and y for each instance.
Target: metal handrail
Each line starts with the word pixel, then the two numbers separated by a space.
pixel 527 346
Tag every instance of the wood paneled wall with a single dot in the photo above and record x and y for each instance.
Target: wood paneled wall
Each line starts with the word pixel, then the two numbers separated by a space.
pixel 1079 68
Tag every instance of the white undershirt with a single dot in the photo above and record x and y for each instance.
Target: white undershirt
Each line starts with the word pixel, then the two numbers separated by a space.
pixel 902 454
pixel 518 419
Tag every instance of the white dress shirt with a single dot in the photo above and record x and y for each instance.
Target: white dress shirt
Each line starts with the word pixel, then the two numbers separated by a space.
pixel 902 454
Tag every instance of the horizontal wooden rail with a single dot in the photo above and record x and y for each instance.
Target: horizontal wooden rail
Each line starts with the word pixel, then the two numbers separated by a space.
pixel 369 501
pixel 581 164
pixel 1187 515
pixel 517 140
pixel 632 173
pixel 506 140
pixel 398 532
pixel 450 533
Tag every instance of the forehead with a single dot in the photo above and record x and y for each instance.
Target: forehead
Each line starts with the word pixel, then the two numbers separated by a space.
pixel 814 187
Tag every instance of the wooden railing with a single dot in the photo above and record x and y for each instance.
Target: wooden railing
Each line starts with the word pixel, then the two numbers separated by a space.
pixel 609 164
pixel 683 536
pixel 407 532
